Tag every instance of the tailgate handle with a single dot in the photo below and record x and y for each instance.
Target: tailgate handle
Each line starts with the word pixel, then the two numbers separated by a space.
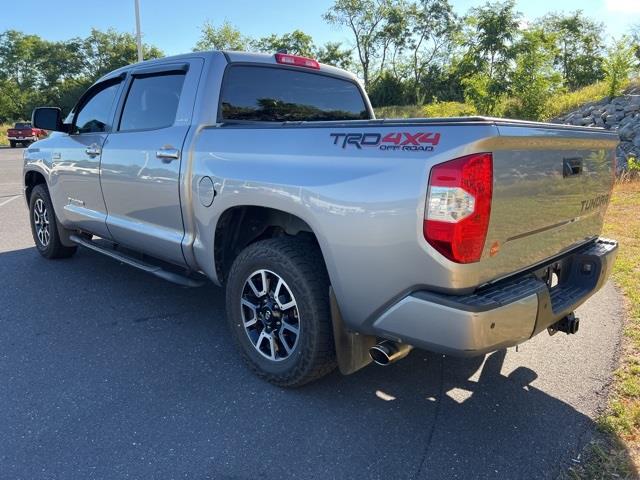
pixel 571 167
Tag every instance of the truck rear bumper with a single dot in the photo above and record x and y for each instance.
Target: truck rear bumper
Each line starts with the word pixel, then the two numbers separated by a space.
pixel 23 139
pixel 501 315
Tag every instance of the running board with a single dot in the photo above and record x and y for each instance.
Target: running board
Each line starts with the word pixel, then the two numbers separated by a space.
pixel 145 267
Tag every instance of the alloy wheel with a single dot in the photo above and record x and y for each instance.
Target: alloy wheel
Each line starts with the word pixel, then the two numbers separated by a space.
pixel 270 315
pixel 41 222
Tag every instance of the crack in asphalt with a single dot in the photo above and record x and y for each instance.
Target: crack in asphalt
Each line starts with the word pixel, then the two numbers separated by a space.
pixel 436 416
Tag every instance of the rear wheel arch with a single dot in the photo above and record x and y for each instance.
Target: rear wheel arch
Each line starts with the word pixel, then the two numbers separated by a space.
pixel 240 226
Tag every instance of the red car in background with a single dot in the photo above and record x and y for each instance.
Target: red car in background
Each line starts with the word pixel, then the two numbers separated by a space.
pixel 25 134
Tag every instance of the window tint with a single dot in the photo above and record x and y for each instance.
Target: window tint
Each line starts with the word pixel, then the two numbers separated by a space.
pixel 152 102
pixel 278 95
pixel 22 125
pixel 93 116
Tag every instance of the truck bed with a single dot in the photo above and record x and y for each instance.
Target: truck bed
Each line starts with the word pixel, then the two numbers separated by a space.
pixel 368 204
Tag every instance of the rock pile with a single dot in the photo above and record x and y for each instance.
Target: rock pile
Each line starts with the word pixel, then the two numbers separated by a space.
pixel 621 114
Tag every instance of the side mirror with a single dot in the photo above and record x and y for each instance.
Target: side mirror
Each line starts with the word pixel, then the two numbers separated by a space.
pixel 48 118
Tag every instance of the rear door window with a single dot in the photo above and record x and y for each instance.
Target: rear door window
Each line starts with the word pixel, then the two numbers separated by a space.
pixel 152 102
pixel 267 94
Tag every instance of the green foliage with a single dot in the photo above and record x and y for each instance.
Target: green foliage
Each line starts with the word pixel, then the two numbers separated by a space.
pixel 633 166
pixel 578 49
pixel 224 37
pixel 618 65
pixel 534 80
pixel 387 90
pixel 563 101
pixel 366 20
pixel 3 133
pixel 635 37
pixel 484 94
pixel 332 53
pixel 432 110
pixel 448 109
pixel 34 71
pixel 432 24
pixel 406 51
pixel 296 43
pixel 491 32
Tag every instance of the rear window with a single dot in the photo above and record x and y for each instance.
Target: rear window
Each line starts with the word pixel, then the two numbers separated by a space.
pixel 22 125
pixel 266 94
pixel 152 102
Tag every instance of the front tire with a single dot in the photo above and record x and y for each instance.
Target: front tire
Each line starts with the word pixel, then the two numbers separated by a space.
pixel 12 144
pixel 44 225
pixel 278 311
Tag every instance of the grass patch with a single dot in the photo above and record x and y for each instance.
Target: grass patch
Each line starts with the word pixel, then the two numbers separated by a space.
pixel 618 456
pixel 431 110
pixel 3 133
pixel 562 103
pixel 557 105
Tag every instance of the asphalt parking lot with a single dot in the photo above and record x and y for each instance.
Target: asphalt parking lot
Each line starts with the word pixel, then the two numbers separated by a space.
pixel 107 372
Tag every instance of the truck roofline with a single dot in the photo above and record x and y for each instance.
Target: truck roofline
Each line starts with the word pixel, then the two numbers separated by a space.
pixel 270 59
pixel 232 57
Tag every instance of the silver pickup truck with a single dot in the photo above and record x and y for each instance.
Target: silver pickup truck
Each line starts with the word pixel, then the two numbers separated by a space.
pixel 341 239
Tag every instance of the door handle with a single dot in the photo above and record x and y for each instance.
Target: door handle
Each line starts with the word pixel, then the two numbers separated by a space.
pixel 571 167
pixel 93 150
pixel 167 154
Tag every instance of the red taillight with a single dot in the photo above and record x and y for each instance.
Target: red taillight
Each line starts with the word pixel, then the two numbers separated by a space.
pixel 297 61
pixel 459 206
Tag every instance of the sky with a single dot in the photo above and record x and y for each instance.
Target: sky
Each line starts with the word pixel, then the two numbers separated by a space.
pixel 174 26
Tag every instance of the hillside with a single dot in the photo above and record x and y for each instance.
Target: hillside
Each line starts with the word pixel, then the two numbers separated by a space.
pixel 620 113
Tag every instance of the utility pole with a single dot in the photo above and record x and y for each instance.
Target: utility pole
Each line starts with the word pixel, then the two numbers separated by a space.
pixel 138 35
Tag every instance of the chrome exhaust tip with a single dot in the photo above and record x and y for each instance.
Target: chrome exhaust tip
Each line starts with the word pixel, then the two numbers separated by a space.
pixel 388 352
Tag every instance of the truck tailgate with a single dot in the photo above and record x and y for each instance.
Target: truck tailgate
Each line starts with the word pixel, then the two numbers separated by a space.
pixel 551 190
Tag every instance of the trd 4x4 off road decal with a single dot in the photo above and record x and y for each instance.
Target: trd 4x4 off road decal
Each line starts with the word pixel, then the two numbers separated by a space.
pixel 419 142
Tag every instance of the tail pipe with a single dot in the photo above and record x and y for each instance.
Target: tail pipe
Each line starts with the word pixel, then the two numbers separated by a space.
pixel 387 352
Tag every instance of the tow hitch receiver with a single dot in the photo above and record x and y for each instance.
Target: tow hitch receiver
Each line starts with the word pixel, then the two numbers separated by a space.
pixel 569 325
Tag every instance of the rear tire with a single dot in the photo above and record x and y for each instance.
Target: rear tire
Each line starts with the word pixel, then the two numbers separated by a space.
pixel 12 144
pixel 44 225
pixel 265 334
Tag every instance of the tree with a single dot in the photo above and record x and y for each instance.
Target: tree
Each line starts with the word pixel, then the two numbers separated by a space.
pixel 18 55
pixel 34 71
pixel 107 51
pixel 494 28
pixel 579 43
pixel 224 37
pixel 618 65
pixel 388 90
pixel 432 23
pixel 333 54
pixel 534 79
pixel 393 35
pixel 487 63
pixel 295 43
pixel 479 91
pixel 365 19
pixel 635 37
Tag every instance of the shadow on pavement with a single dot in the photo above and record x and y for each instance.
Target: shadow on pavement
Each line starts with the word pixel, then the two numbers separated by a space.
pixel 110 372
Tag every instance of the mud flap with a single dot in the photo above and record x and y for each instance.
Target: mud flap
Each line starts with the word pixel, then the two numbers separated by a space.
pixel 352 349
